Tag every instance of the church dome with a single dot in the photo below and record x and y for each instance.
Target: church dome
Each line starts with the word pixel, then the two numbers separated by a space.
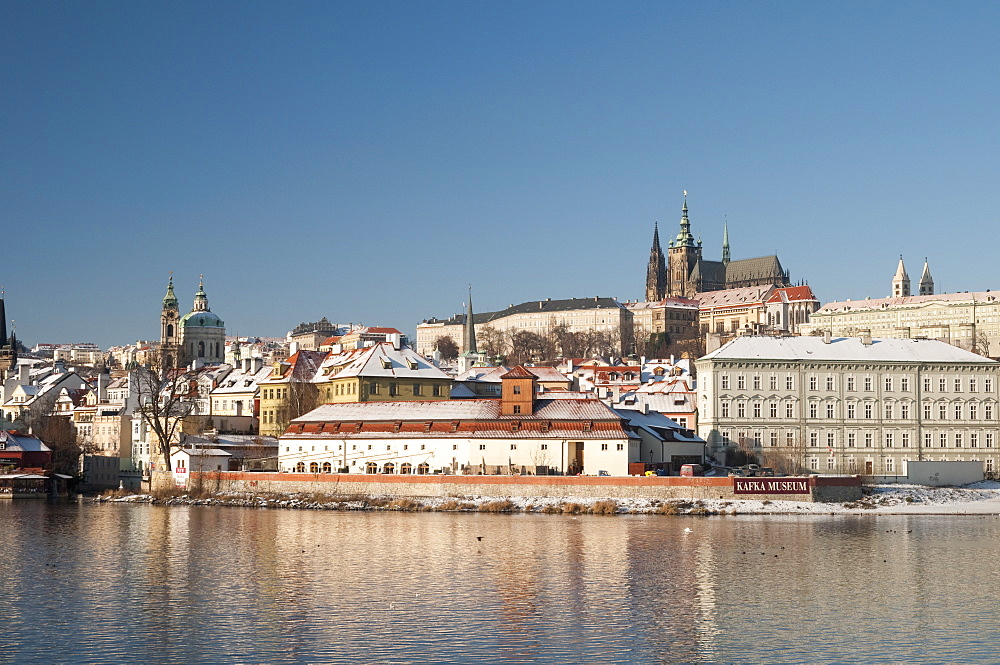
pixel 201 319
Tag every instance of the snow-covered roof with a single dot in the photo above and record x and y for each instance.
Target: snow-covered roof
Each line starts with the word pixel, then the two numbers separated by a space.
pixel 471 409
pixel 382 360
pixel 747 295
pixel 844 349
pixel 906 302
pixel 239 381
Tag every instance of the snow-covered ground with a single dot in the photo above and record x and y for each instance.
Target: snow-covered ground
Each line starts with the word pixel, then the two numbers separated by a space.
pixel 975 499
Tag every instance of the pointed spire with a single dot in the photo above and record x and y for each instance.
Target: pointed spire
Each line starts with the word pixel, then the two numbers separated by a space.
pixel 900 281
pixel 200 299
pixel 684 238
pixel 470 328
pixel 656 269
pixel 926 286
pixel 725 241
pixel 3 321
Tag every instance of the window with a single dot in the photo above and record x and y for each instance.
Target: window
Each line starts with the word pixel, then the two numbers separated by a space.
pixel 393 390
pixel 958 385
pixel 789 382
pixel 813 383
pixel 813 440
pixel 620 446
pixel 904 411
pixel 544 446
pixel 741 409
pixel 889 465
pixel 943 440
pixel 958 412
pixel 852 465
pixel 972 385
pixel 831 439
pixel 436 391
pixel 942 412
pixel 517 408
pixel 888 439
pixel 774 439
pixel 850 384
pixel 959 439
pixel 942 385
pixel 513 446
pixel 789 410
pixel 773 383
pixel 830 463
pixel 973 412
pixel 988 439
pixel 725 409
pixel 517 390
pixel 928 440
pixel 868 384
pixel 904 384
pixel 773 410
pixel 988 385
pixel 756 383
pixel 989 465
pixel 756 409
pixel 741 382
pixel 829 383
pixel 373 388
pixel 813 410
pixel 927 384
pixel 852 439
pixel 416 390
pixel 482 446
pixel 868 411
pixel 829 410
pixel 888 384
pixel 814 463
pixel 988 411
pixel 927 411
pixel 974 440
pixel 888 411
pixel 869 439
pixel 725 382
pixel 850 410
pixel 789 439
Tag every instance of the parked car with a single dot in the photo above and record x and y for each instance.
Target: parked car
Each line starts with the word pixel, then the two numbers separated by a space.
pixel 690 470
pixel 738 472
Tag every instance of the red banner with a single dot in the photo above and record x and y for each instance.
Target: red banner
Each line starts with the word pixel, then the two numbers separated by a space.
pixel 771 486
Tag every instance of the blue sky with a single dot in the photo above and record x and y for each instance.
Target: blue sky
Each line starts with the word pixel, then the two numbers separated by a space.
pixel 367 161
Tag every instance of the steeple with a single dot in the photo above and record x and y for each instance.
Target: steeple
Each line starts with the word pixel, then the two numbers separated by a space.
pixel 200 299
pixel 470 328
pixel 656 270
pixel 725 242
pixel 926 286
pixel 900 281
pixel 684 238
pixel 170 300
pixel 3 321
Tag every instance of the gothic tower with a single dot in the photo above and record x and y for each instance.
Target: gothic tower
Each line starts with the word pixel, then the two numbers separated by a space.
pixel 683 254
pixel 170 334
pixel 900 281
pixel 725 243
pixel 926 286
pixel 8 345
pixel 656 272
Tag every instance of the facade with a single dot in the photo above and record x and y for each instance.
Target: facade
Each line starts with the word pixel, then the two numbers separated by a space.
pixel 539 316
pixel 686 273
pixel 968 320
pixel 386 371
pixel 288 391
pixel 789 308
pixel 678 317
pixel 849 405
pixel 235 399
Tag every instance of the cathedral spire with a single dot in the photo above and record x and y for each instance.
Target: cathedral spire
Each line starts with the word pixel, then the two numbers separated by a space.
pixel 470 328
pixel 656 271
pixel 725 242
pixel 926 286
pixel 900 281
pixel 684 238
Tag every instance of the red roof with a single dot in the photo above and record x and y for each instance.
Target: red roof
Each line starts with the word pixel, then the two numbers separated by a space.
pixel 792 293
pixel 519 372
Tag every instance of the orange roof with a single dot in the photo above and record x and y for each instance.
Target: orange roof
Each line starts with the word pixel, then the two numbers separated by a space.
pixel 792 293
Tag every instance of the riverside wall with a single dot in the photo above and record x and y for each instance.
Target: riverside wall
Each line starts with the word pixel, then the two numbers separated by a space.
pixel 832 489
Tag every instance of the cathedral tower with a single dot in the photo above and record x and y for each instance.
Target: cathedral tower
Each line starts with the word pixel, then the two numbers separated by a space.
pixel 656 271
pixel 900 281
pixel 683 254
pixel 926 286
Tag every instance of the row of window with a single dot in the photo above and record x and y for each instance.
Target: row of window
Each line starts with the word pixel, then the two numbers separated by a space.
pixel 888 464
pixel 868 383
pixel 867 439
pixel 867 410
pixel 393 389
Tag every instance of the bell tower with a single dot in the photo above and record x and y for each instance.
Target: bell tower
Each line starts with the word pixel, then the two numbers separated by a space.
pixel 683 255
pixel 170 328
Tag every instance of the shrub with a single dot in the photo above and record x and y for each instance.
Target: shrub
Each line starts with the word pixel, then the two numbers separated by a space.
pixel 572 508
pixel 502 506
pixel 604 507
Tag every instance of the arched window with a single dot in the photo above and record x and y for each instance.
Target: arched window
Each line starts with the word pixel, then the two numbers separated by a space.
pixel 388 467
pixel 406 467
pixel 300 467
pixel 313 467
pixel 170 330
pixel 216 349
pixel 327 468
pixel 423 468
pixel 371 467
pixel 201 349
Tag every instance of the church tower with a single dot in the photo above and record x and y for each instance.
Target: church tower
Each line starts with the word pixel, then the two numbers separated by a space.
pixel 8 345
pixel 725 243
pixel 682 256
pixel 170 334
pixel 900 281
pixel 656 272
pixel 926 286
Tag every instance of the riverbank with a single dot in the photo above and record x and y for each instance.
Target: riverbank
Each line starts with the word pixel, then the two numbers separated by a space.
pixel 977 499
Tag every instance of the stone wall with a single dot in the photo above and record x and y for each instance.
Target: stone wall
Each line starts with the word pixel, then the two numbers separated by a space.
pixel 822 488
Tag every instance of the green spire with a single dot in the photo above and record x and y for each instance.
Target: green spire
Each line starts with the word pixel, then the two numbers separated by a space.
pixel 200 299
pixel 170 300
pixel 684 238
pixel 725 242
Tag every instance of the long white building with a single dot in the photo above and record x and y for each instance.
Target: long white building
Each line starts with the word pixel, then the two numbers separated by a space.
pixel 850 405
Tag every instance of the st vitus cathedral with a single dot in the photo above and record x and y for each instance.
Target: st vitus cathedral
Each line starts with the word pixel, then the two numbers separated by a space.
pixel 683 272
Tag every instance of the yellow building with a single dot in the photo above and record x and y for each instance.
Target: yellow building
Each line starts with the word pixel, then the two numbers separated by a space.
pixel 385 371
pixel 289 391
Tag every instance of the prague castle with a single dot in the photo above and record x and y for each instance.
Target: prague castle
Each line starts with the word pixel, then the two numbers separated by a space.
pixel 683 272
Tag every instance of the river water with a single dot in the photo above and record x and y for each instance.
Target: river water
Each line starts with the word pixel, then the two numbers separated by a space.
pixel 122 583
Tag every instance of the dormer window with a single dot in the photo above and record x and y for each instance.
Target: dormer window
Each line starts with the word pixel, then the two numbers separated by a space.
pixel 386 363
pixel 454 426
pixel 397 426
pixel 412 364
pixel 588 426
pixel 516 425
pixel 428 425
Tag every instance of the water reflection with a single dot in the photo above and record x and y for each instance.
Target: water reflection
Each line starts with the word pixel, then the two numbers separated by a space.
pixel 122 583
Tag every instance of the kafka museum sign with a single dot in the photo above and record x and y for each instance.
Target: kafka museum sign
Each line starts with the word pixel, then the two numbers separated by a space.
pixel 770 486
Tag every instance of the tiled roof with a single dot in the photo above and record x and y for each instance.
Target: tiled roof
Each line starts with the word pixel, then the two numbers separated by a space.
pixel 761 267
pixel 382 360
pixel 908 301
pixel 448 410
pixel 741 297
pixel 792 294
pixel 518 372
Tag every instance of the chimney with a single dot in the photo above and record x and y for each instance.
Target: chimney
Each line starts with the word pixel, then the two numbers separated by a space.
pixel 866 337
pixel 23 373
pixel 293 348
pixel 257 364
pixel 395 339
pixel 102 387
pixel 827 336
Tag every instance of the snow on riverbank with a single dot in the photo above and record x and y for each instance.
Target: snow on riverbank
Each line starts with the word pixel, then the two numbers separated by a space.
pixel 976 499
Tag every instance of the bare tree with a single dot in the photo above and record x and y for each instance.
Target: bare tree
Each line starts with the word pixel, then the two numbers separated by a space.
pixel 165 398
pixel 446 345
pixel 303 397
pixel 491 341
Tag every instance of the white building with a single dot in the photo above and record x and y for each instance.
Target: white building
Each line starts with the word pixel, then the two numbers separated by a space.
pixel 849 405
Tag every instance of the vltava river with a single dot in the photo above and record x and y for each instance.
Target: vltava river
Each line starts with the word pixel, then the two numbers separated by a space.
pixel 86 583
